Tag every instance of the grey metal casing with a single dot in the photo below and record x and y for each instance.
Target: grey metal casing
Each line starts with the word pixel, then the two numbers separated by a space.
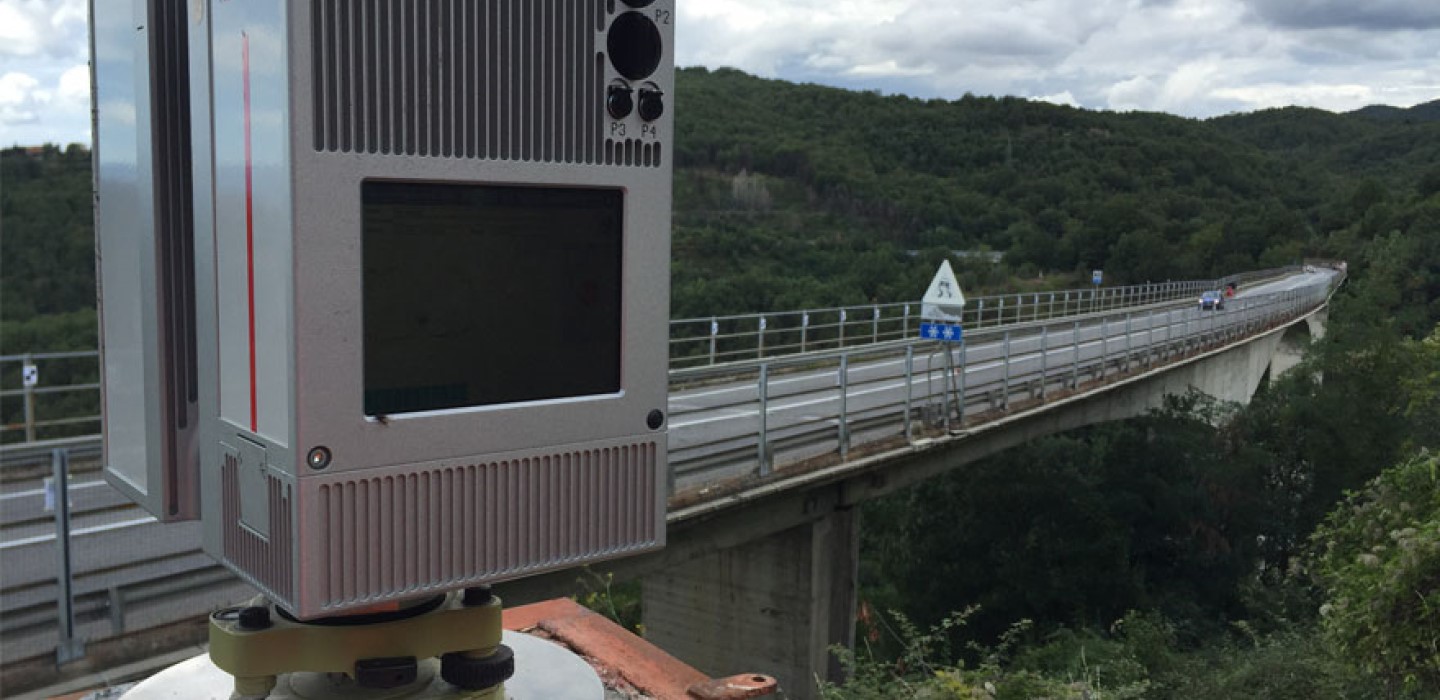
pixel 495 92
pixel 142 245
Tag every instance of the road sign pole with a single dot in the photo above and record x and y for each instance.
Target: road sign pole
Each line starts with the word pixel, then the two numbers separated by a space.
pixel 69 647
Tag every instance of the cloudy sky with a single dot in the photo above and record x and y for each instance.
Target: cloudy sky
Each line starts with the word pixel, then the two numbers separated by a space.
pixel 1196 58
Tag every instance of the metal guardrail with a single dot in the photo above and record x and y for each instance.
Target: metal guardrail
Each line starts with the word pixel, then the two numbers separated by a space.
pixel 694 342
pixel 718 340
pixel 769 414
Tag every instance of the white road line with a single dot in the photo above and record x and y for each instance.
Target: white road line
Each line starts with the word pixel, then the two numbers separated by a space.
pixel 41 492
pixel 78 532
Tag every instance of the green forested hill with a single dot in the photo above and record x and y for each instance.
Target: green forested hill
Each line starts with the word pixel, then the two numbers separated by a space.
pixel 799 195
pixel 842 182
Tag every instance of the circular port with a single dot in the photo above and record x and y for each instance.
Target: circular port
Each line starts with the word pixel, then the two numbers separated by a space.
pixel 634 45
pixel 652 104
pixel 619 102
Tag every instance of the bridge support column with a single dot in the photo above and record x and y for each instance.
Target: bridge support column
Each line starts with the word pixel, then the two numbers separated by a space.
pixel 772 606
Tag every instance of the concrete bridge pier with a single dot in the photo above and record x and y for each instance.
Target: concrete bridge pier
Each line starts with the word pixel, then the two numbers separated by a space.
pixel 779 604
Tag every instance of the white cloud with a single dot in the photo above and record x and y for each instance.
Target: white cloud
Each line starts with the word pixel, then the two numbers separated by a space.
pixel 1190 57
pixel 21 99
pixel 49 27
pixel 75 84
pixel 1062 98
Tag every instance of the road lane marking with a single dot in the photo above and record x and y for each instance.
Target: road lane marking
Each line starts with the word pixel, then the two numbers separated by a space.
pixel 41 492
pixel 78 532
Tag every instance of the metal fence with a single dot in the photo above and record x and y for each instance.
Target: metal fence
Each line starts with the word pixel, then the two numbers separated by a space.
pixel 741 420
pixel 48 409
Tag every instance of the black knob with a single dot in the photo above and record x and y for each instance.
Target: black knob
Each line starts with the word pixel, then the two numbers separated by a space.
pixel 471 673
pixel 655 419
pixel 254 617
pixel 618 101
pixel 652 104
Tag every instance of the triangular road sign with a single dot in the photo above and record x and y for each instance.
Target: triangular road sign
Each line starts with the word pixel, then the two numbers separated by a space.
pixel 943 300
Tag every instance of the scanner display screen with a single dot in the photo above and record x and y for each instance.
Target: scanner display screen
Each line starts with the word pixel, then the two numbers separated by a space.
pixel 476 295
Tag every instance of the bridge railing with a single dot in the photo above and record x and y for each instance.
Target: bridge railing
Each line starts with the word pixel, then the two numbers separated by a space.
pixel 820 405
pixel 65 401
pixel 718 340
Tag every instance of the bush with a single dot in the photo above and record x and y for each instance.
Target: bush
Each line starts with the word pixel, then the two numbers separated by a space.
pixel 1379 562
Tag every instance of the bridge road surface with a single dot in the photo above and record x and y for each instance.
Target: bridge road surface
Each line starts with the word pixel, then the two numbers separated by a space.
pixel 712 435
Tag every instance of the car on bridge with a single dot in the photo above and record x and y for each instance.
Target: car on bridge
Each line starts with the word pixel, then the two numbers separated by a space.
pixel 1212 300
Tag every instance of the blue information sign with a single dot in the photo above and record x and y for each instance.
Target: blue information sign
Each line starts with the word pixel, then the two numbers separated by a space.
pixel 1097 276
pixel 943 332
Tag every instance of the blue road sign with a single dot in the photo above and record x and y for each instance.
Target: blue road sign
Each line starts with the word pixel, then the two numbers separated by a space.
pixel 943 332
pixel 1096 276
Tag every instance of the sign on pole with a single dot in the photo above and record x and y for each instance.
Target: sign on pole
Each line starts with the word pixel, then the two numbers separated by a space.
pixel 942 306
pixel 943 300
pixel 945 332
pixel 1096 276
pixel 31 375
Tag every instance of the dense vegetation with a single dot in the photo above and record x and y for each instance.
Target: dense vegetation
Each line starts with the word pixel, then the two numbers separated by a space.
pixel 1203 551
pixel 1288 548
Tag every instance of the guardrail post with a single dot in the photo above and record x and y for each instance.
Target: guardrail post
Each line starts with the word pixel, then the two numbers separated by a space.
pixel 905 323
pixel 760 342
pixel 1104 344
pixel 804 328
pixel 1052 305
pixel 980 313
pixel 1149 337
pixel 842 329
pixel 875 326
pixel 68 648
pixel 1000 311
pixel 1127 340
pixel 844 419
pixel 909 386
pixel 763 390
pixel 1044 358
pixel 1075 365
pixel 1005 387
pixel 1036 315
pixel 960 406
pixel 29 398
pixel 714 331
